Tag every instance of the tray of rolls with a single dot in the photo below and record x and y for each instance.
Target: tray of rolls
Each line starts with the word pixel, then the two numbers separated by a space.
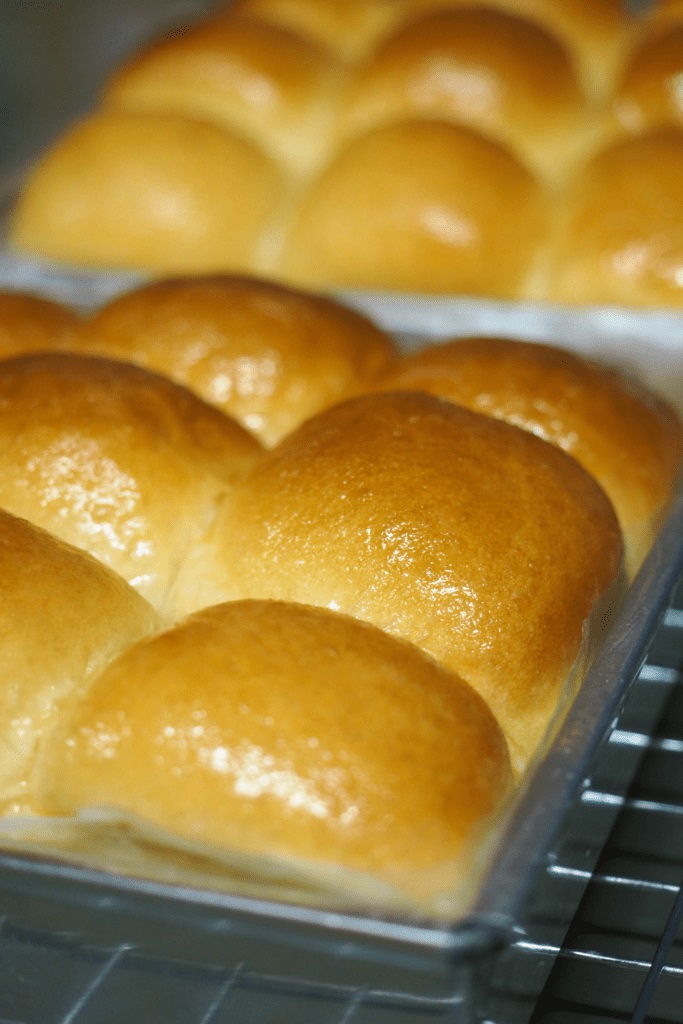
pixel 299 615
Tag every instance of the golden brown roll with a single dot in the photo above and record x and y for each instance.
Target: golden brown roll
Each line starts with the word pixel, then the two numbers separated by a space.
pixel 650 91
pixel 263 81
pixel 664 12
pixel 502 75
pixel 115 460
pixel 627 438
pixel 348 27
pixel 621 239
pixel 597 34
pixel 155 192
pixel 29 323
pixel 266 355
pixel 475 540
pixel 305 734
pixel 421 206
pixel 63 616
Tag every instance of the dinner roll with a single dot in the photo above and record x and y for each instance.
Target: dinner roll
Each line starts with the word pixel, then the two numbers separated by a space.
pixel 475 540
pixel 270 85
pixel 305 734
pixel 502 75
pixel 650 92
pixel 627 438
pixel 622 238
pixel 29 323
pixel 348 27
pixel 597 34
pixel 115 460
pixel 267 355
pixel 422 206
pixel 63 616
pixel 154 192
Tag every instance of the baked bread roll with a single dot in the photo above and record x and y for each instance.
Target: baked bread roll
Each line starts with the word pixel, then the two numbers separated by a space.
pixel 154 192
pixel 114 460
pixel 29 323
pixel 627 438
pixel 473 539
pixel 306 734
pixel 266 83
pixel 266 355
pixel 649 93
pixel 597 34
pixel 621 236
pixel 504 76
pixel 348 27
pixel 417 206
pixel 63 616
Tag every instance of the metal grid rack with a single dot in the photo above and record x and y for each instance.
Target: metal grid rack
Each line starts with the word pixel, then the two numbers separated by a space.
pixel 81 954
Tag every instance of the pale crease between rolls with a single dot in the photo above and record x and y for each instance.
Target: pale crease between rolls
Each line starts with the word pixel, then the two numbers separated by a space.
pixel 298 139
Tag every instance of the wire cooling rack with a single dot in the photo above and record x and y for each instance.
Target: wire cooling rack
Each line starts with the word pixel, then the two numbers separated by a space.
pixel 77 953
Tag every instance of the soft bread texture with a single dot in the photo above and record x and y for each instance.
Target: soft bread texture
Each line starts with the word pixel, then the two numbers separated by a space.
pixel 621 240
pixel 115 460
pixel 63 616
pixel 150 191
pixel 650 91
pixel 266 355
pixel 268 84
pixel 30 323
pixel 417 205
pixel 625 436
pixel 305 734
pixel 499 74
pixel 473 539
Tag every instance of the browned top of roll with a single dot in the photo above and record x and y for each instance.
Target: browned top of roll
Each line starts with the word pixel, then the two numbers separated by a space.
pixel 63 616
pixel 157 192
pixel 477 541
pixel 271 85
pixel 115 460
pixel 29 323
pixel 627 438
pixel 649 93
pixel 422 206
pixel 622 239
pixel 305 733
pixel 267 355
pixel 502 75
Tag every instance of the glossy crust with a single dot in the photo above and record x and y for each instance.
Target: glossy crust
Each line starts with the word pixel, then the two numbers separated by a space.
pixel 473 539
pixel 115 460
pixel 305 734
pixel 266 355
pixel 650 92
pixel 29 323
pixel 417 206
pixel 499 74
pixel 266 83
pixel 627 438
pixel 155 192
pixel 622 238
pixel 63 616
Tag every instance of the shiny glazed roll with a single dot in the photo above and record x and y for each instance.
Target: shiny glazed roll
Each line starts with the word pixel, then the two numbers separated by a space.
pixel 306 734
pixel 478 542
pixel 627 438
pixel 267 355
pixel 265 82
pixel 504 76
pixel 30 323
pixel 424 206
pixel 621 236
pixel 155 192
pixel 63 616
pixel 115 460
pixel 650 91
